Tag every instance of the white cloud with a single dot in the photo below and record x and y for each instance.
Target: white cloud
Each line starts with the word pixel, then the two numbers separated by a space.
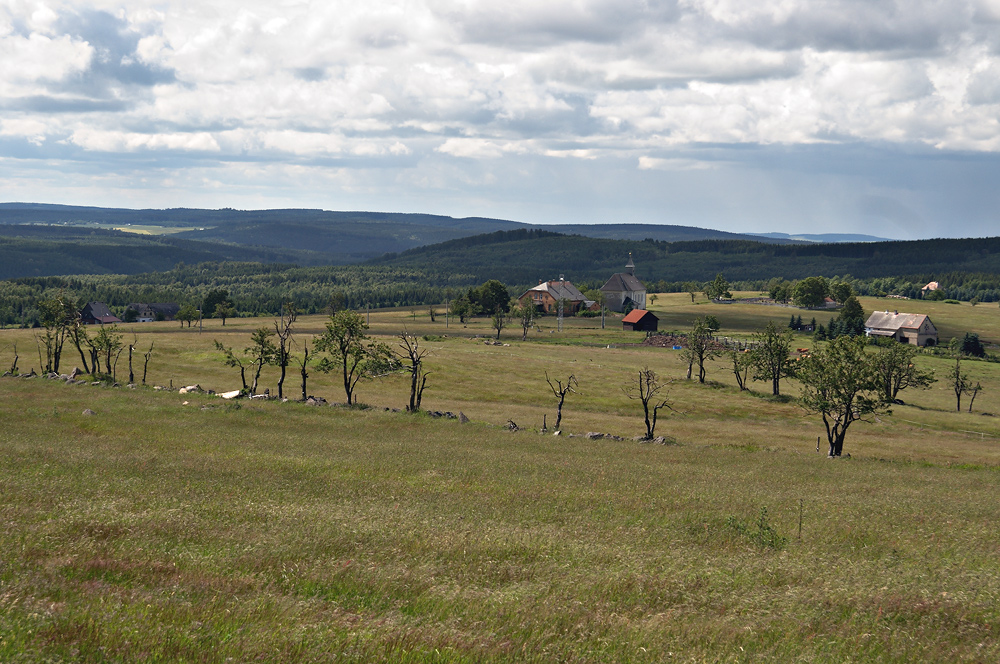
pixel 609 83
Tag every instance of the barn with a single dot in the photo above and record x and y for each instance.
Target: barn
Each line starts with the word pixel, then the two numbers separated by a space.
pixel 640 320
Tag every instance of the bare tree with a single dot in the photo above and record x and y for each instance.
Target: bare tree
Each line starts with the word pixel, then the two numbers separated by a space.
pixel 283 331
pixel 13 365
pixel 145 362
pixel 411 352
pixel 960 383
pixel 973 392
pixel 560 391
pixel 649 390
pixel 303 361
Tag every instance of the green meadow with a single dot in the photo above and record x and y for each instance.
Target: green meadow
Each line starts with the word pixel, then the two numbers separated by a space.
pixel 182 527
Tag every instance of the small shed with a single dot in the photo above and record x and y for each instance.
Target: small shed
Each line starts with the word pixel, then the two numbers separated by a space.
pixel 640 320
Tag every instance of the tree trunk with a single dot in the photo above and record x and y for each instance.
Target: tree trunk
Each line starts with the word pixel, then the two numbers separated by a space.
pixel 281 380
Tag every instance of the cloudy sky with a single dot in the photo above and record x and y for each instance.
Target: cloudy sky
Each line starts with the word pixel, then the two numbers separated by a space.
pixel 873 116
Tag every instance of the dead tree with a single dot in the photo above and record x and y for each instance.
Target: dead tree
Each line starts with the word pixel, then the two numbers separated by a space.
pixel 648 389
pixel 303 363
pixel 145 364
pixel 131 374
pixel 283 330
pixel 973 392
pixel 560 391
pixel 411 352
pixel 13 365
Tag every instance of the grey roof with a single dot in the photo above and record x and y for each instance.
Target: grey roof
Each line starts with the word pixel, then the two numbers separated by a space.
pixel 890 320
pixel 559 290
pixel 621 282
pixel 96 310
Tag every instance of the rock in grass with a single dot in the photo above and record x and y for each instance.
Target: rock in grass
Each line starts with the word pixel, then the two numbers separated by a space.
pixel 593 435
pixel 229 395
pixel 88 412
pixel 462 418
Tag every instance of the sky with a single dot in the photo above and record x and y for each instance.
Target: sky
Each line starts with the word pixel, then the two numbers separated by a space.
pixel 811 116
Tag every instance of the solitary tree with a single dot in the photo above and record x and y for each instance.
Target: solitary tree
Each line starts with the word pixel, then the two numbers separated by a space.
pixel 500 320
pixel 283 332
pixel 841 291
pixel 652 393
pixel 214 298
pixel 971 345
pixel 187 314
pixel 699 348
pixel 841 383
pixel 351 350
pixel 413 355
pixel 463 308
pixel 304 361
pixel 896 368
pixel 769 356
pixel 560 390
pixel 225 310
pixel 810 292
pixel 525 315
pixel 491 296
pixel 741 366
pixel 718 288
pixel 692 289
pixel 261 351
pixel 960 383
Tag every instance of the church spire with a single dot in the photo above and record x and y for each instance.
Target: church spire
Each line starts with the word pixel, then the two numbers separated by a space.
pixel 630 266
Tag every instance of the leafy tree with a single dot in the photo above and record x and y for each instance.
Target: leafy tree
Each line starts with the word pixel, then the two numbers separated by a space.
pixel 718 288
pixel 691 288
pixel 130 315
pixel 58 316
pixel 261 351
pixel 769 356
pixel 712 323
pixel 464 309
pixel 106 343
pixel 651 392
pixel 225 310
pixel 500 319
pixel 212 300
pixel 414 355
pixel 841 383
pixel 491 297
pixel 851 321
pixel 894 363
pixel 560 390
pixel 187 314
pixel 231 359
pixel 841 291
pixel 525 315
pixel 741 366
pixel 781 291
pixel 351 350
pixel 699 348
pixel 972 346
pixel 810 292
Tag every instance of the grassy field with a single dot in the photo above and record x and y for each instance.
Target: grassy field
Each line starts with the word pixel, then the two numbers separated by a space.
pixel 168 527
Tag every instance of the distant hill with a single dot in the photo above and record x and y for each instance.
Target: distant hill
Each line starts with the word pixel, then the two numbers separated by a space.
pixel 307 237
pixel 821 237
pixel 525 256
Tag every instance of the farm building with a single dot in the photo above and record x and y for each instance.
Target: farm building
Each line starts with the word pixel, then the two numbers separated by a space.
pixel 905 328
pixel 546 296
pixel 148 312
pixel 97 313
pixel 623 292
pixel 640 320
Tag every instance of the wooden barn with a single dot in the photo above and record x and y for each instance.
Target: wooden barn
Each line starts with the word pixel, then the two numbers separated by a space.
pixel 640 320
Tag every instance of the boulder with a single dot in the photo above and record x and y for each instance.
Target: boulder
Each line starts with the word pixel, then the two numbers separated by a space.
pixel 88 412
pixel 190 389
pixel 230 395
pixel 462 418
pixel 593 435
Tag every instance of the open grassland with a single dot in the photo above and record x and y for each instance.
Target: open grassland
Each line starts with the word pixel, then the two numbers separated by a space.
pixel 181 527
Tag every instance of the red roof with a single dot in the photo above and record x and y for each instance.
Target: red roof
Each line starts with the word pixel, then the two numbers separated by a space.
pixel 634 316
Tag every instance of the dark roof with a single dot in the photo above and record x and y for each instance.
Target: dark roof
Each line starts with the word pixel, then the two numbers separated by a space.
pixel 637 315
pixel 621 282
pixel 95 310
pixel 559 290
